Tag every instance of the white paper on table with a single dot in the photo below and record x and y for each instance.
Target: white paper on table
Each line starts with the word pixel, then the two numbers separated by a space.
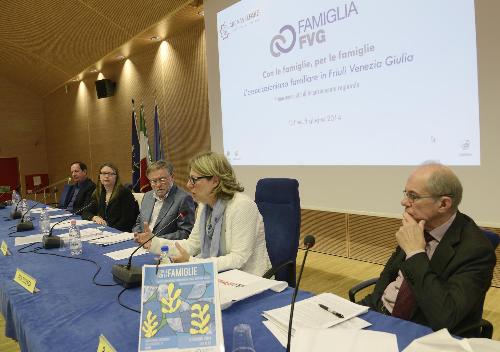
pixel 439 341
pixel 115 238
pixel 19 241
pixel 58 216
pixel 320 340
pixel 281 332
pixel 125 253
pixel 48 209
pixel 236 285
pixel 308 314
pixel 484 345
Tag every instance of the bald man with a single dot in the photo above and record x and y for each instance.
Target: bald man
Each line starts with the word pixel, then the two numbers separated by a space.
pixel 443 265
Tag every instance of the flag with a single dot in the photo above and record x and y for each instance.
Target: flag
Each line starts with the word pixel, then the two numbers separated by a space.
pixel 145 153
pixel 135 153
pixel 159 155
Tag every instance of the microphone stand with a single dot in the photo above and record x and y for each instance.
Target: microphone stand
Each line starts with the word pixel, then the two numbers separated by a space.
pixel 309 241
pixel 26 225
pixel 49 241
pixel 131 276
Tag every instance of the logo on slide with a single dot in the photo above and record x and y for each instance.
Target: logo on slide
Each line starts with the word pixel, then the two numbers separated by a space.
pixel 280 39
pixel 224 31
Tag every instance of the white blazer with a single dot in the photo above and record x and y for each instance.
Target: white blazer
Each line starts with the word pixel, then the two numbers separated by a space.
pixel 243 243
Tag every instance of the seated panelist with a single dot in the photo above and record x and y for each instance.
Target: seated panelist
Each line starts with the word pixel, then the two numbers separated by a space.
pixel 228 223
pixel 161 206
pixel 439 273
pixel 79 193
pixel 113 204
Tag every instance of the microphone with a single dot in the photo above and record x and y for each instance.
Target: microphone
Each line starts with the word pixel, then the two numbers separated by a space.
pixel 16 214
pixel 309 242
pixel 26 225
pixel 131 276
pixel 49 241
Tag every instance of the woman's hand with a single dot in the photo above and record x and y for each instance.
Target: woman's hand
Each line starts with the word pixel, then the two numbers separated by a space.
pixel 99 220
pixel 183 255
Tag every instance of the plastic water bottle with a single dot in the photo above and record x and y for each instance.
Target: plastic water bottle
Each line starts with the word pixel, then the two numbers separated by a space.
pixel 24 210
pixel 44 222
pixel 164 257
pixel 15 198
pixel 75 240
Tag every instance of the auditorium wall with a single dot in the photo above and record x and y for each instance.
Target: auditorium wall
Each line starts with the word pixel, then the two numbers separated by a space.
pixel 22 132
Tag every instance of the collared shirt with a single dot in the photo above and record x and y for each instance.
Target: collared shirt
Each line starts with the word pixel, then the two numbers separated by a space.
pixel 392 290
pixel 71 203
pixel 156 209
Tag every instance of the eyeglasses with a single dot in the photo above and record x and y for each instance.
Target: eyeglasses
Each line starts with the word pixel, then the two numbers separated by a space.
pixel 162 180
pixel 107 174
pixel 192 180
pixel 413 197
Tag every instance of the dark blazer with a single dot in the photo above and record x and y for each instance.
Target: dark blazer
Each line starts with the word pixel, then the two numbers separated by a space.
pixel 87 187
pixel 120 213
pixel 176 202
pixel 450 288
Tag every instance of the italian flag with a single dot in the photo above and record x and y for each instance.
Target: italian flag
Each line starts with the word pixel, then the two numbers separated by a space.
pixel 145 153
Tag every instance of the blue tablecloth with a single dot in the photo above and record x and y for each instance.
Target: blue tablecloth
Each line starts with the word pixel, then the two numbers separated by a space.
pixel 70 312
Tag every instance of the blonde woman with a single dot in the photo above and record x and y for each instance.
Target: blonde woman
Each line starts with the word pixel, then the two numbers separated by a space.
pixel 228 224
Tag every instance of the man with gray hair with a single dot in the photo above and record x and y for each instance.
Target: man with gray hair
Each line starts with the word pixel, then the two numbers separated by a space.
pixel 443 265
pixel 162 205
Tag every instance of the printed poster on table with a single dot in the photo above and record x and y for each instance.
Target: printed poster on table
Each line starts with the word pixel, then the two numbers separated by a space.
pixel 180 308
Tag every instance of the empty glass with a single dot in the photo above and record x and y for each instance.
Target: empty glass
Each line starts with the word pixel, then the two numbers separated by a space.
pixel 242 338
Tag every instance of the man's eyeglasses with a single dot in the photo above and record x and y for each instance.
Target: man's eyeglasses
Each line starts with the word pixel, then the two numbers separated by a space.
pixel 107 174
pixel 413 197
pixel 192 180
pixel 162 180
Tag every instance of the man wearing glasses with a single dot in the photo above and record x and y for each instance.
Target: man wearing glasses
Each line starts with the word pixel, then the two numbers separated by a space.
pixel 162 205
pixel 443 265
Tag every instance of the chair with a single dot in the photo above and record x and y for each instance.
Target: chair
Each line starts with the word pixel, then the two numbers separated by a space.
pixel 64 194
pixel 279 204
pixel 485 327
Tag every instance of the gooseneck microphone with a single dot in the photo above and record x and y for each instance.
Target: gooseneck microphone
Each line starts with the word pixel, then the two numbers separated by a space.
pixel 26 225
pixel 309 242
pixel 49 241
pixel 131 276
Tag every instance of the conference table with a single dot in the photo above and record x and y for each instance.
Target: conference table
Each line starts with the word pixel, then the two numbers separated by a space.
pixel 70 311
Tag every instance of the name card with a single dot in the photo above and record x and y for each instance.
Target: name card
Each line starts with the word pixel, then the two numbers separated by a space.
pixel 104 345
pixel 25 280
pixel 5 249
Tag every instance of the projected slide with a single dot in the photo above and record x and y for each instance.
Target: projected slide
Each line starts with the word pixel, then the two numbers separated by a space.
pixel 363 82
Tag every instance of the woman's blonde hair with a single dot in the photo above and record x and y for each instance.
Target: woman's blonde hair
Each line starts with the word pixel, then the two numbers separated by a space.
pixel 213 164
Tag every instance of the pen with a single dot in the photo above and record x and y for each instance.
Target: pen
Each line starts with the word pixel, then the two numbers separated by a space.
pixel 338 315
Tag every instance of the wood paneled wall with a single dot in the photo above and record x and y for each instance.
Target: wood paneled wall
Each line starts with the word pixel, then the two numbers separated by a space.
pixel 82 127
pixel 22 132
pixel 366 238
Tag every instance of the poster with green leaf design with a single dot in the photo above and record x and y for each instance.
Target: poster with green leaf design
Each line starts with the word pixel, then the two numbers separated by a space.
pixel 180 308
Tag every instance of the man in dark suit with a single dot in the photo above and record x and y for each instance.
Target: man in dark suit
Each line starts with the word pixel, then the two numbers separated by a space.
pixel 79 194
pixel 164 203
pixel 443 265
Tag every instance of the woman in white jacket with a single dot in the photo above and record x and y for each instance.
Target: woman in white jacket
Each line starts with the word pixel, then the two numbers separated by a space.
pixel 228 223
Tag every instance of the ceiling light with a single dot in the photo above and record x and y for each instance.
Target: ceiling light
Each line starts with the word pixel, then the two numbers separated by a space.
pixel 120 57
pixel 201 13
pixel 154 38
pixel 94 70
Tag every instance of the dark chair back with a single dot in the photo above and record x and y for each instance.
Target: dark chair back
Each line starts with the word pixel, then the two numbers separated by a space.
pixel 64 194
pixel 279 203
pixel 493 237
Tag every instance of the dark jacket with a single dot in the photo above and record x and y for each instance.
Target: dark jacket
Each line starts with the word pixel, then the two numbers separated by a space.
pixel 120 213
pixel 87 187
pixel 451 287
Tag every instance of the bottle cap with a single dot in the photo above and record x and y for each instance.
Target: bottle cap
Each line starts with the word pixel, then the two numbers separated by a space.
pixel 73 222
pixel 164 248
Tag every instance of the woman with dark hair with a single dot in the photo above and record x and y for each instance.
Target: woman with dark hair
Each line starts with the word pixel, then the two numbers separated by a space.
pixel 113 204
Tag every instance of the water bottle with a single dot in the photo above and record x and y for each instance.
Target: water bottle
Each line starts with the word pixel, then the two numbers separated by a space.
pixel 164 258
pixel 44 222
pixel 242 338
pixel 75 241
pixel 24 210
pixel 15 198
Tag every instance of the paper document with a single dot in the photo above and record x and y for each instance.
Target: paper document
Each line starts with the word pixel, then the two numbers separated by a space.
pixel 308 313
pixel 125 253
pixel 48 209
pixel 113 239
pixel 59 216
pixel 281 332
pixel 236 285
pixel 320 340
pixel 19 241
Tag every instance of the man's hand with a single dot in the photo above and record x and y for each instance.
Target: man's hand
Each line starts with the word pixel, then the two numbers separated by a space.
pixel 410 235
pixel 183 255
pixel 144 236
